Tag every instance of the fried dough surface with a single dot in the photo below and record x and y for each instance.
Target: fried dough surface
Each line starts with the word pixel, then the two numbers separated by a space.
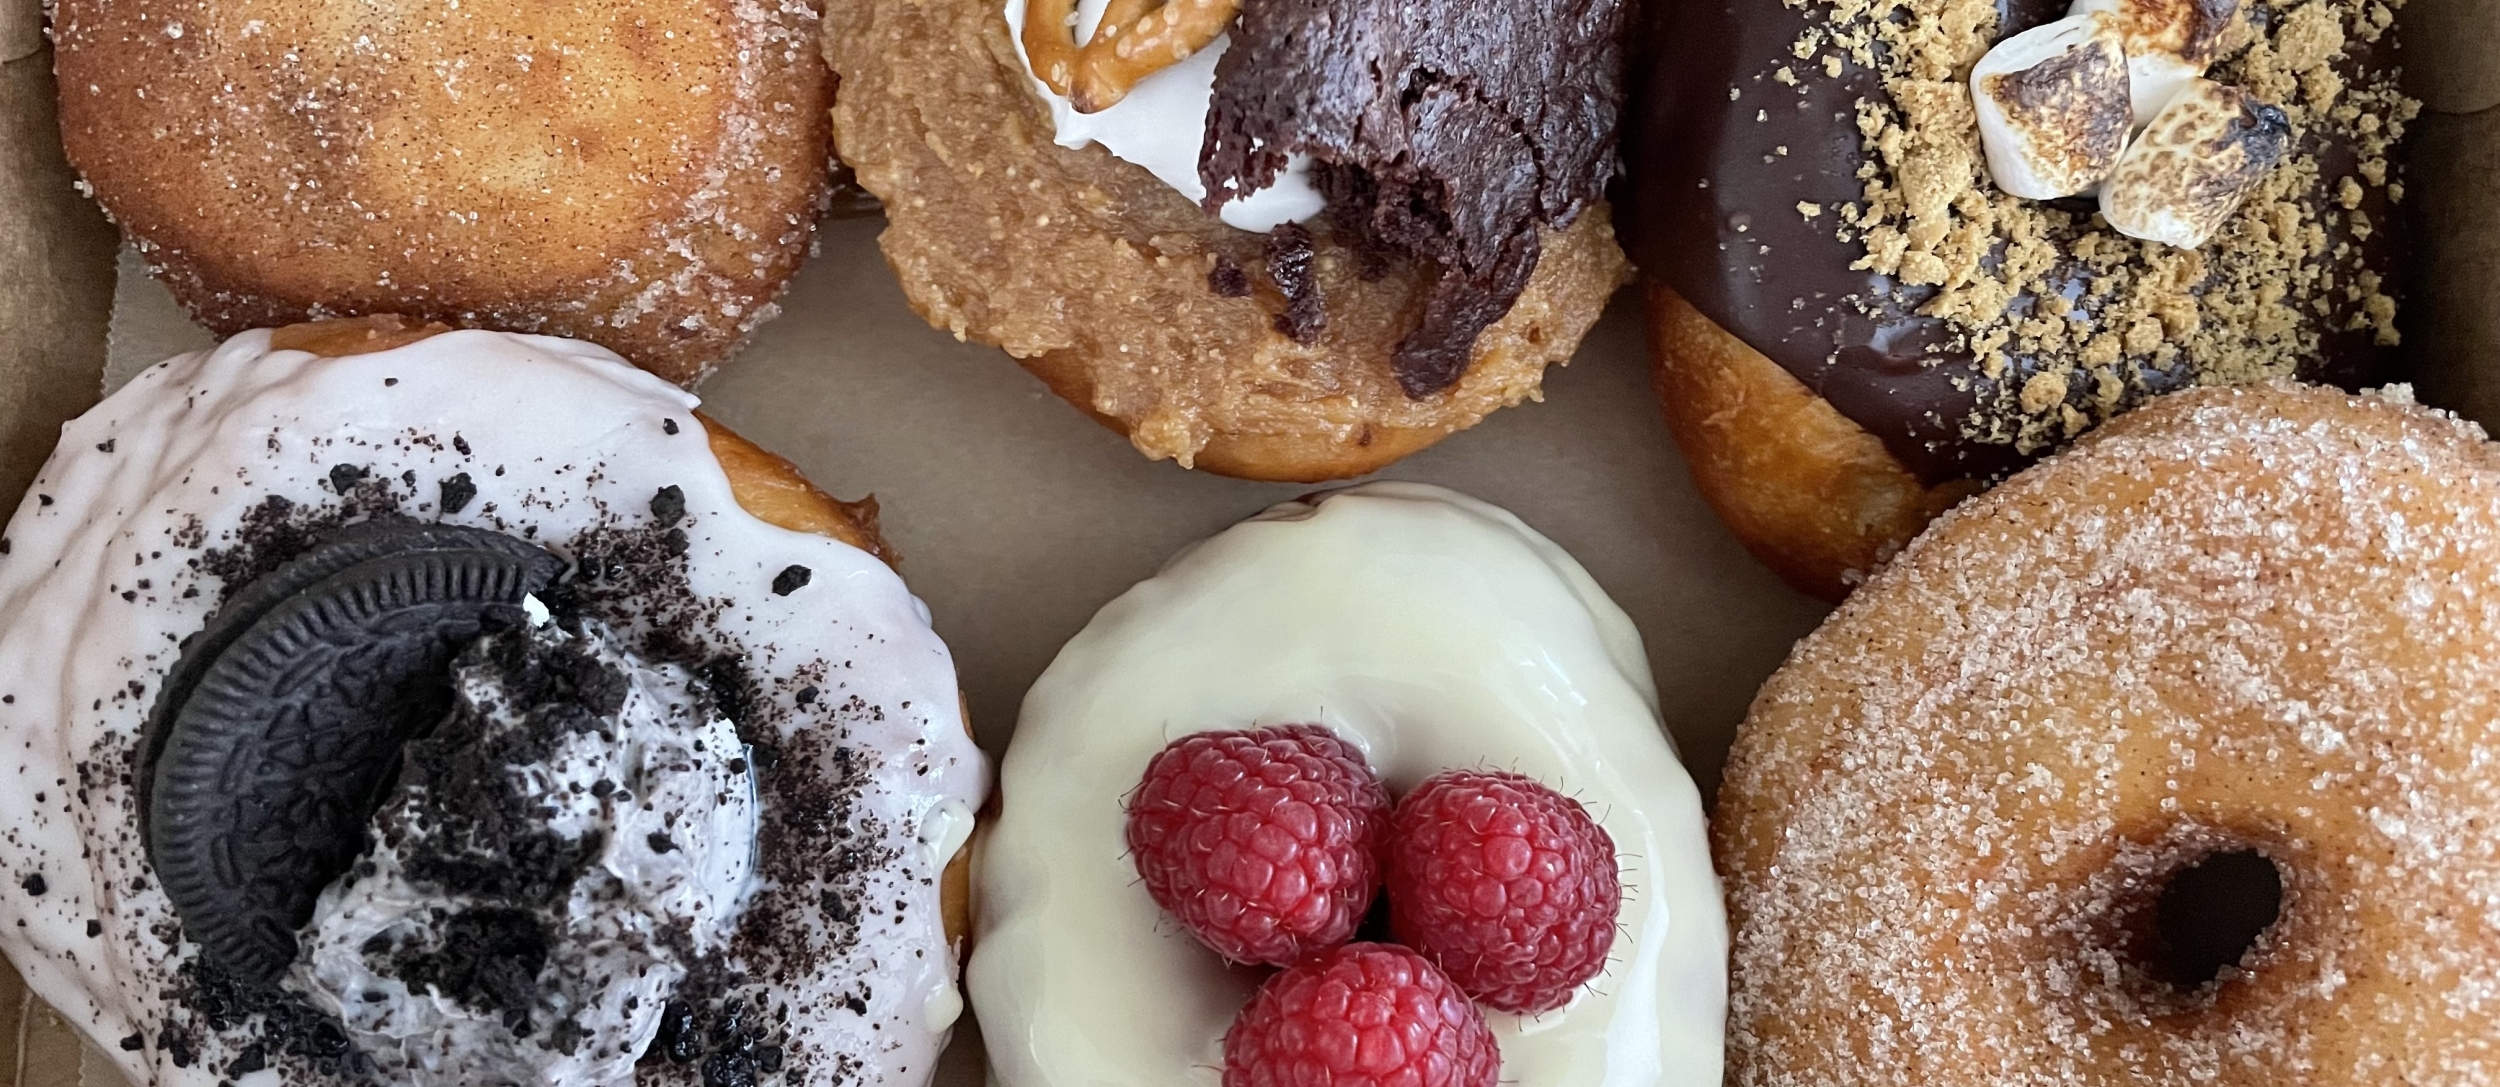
pixel 644 175
pixel 1095 275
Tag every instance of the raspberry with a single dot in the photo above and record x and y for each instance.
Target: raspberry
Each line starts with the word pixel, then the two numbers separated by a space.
pixel 1508 885
pixel 1364 1015
pixel 1263 843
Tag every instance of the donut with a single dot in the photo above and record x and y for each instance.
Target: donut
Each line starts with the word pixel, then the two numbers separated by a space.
pixel 645 176
pixel 375 717
pixel 2167 761
pixel 1368 302
pixel 1428 630
pixel 1854 322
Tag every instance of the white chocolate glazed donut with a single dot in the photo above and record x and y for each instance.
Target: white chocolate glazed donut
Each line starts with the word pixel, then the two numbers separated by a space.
pixel 97 587
pixel 1434 631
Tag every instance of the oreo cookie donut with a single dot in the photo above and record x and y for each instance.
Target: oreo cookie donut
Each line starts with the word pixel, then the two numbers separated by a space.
pixel 2169 761
pixel 1292 239
pixel 645 176
pixel 456 707
pixel 1426 632
pixel 1894 251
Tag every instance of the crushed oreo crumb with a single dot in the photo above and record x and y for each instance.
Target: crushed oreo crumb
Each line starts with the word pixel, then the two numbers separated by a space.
pixel 106 446
pixel 791 579
pixel 457 492
pixel 668 426
pixel 669 506
pixel 34 884
pixel 345 477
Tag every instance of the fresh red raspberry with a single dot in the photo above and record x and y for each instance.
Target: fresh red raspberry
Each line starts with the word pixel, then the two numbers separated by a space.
pixel 1508 885
pixel 1265 843
pixel 1363 1015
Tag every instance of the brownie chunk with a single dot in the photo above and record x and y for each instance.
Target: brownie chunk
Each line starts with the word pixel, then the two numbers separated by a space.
pixel 1442 131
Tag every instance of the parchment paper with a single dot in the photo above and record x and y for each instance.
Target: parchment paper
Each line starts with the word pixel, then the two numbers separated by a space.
pixel 1017 517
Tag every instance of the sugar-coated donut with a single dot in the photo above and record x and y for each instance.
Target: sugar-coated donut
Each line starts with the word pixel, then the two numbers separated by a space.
pixel 1854 323
pixel 2172 760
pixel 1433 632
pixel 801 913
pixel 646 176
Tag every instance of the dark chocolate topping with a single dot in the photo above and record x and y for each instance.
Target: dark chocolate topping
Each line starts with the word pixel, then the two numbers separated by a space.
pixel 267 757
pixel 1732 132
pixel 1448 132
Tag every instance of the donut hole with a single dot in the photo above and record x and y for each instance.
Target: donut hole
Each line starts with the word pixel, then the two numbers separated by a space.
pixel 2210 915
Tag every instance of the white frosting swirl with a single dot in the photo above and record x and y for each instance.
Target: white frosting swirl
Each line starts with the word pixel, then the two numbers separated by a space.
pixel 666 787
pixel 1434 631
pixel 1162 126
pixel 101 579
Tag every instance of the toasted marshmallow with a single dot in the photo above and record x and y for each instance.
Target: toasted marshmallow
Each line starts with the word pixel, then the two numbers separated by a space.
pixel 2181 180
pixel 2053 107
pixel 2167 42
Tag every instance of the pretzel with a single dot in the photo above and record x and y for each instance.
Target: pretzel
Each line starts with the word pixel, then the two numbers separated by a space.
pixel 1135 39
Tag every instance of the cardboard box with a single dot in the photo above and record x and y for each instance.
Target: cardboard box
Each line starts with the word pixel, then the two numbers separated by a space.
pixel 1017 517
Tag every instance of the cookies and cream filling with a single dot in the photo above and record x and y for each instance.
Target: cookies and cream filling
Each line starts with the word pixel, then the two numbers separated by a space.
pixel 807 920
pixel 1161 122
pixel 2060 106
pixel 1431 631
pixel 566 745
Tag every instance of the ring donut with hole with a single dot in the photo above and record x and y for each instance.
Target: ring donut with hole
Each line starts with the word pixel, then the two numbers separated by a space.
pixel 2169 761
pixel 1893 251
pixel 1403 634
pixel 454 707
pixel 1291 241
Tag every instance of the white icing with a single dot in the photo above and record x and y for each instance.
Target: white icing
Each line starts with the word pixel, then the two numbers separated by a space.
pixel 685 781
pixel 562 437
pixel 1433 630
pixel 1161 125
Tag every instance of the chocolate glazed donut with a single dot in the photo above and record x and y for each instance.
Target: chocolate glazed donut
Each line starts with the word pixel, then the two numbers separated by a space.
pixel 1831 398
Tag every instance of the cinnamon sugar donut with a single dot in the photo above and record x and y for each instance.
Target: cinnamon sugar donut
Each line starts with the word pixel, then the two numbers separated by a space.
pixel 2242 639
pixel 646 176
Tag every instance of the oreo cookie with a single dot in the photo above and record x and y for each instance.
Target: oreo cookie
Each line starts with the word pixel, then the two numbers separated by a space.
pixel 280 728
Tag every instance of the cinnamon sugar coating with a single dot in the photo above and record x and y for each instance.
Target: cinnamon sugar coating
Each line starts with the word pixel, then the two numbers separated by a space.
pixel 1101 279
pixel 2257 619
pixel 642 175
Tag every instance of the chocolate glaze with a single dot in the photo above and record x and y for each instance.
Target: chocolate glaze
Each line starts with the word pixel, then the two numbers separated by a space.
pixel 1709 208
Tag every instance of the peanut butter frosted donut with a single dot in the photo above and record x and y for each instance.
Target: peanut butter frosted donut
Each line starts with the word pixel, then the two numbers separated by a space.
pixel 2171 760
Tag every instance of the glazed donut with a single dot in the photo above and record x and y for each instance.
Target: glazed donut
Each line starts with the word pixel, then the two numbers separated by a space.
pixel 1854 324
pixel 1246 345
pixel 645 176
pixel 1431 631
pixel 2168 761
pixel 608 596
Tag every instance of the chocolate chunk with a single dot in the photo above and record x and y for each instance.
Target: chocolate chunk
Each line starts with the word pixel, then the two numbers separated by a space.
pixel 1446 132
pixel 791 579
pixel 282 723
pixel 669 505
pixel 1290 263
pixel 457 491
pixel 1227 280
